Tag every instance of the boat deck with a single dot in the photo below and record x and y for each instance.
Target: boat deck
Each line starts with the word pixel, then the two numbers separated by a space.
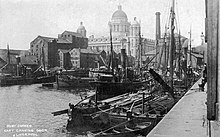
pixel 188 118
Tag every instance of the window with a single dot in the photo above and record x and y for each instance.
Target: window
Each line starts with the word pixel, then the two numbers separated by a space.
pixel 36 46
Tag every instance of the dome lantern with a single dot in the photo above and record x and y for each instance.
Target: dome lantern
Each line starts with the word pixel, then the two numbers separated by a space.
pixel 119 7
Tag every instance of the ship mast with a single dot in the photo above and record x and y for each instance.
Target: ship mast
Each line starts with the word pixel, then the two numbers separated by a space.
pixel 111 54
pixel 190 46
pixel 43 59
pixel 8 55
pixel 172 44
pixel 179 69
pixel 165 48
pixel 140 51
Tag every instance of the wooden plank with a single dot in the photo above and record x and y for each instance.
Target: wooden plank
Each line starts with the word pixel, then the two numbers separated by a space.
pixel 212 61
pixel 65 111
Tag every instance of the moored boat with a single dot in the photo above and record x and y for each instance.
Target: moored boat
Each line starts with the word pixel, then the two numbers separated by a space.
pixel 15 80
pixel 129 128
pixel 68 81
pixel 45 79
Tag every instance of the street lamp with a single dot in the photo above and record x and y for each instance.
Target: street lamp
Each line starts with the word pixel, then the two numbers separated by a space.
pixel 202 38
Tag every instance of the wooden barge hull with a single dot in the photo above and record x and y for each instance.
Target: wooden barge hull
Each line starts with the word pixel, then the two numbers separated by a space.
pixel 15 81
pixel 74 83
pixel 111 89
pixel 45 79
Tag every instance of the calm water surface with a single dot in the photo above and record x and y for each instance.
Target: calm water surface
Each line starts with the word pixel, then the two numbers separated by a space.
pixel 26 111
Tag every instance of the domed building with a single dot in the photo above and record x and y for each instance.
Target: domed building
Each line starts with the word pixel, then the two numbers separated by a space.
pixel 81 30
pixel 126 35
pixel 119 23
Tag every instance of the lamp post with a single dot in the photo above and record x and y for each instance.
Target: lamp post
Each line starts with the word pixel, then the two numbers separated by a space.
pixel 203 38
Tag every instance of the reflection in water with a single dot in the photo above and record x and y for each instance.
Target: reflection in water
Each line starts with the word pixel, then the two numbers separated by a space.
pixel 27 109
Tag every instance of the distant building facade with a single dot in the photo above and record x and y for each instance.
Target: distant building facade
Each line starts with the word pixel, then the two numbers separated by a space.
pixel 162 51
pixel 125 35
pixel 46 48
pixel 79 58
pixel 11 60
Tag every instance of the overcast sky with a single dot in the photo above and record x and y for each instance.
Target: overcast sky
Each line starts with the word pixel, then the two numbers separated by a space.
pixel 21 21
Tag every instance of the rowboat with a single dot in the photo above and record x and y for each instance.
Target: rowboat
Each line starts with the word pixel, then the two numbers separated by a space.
pixel 130 128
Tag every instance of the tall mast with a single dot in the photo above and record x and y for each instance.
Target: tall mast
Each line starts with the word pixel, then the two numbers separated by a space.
pixel 43 59
pixel 165 48
pixel 179 55
pixel 172 44
pixel 111 54
pixel 140 49
pixel 190 46
pixel 8 54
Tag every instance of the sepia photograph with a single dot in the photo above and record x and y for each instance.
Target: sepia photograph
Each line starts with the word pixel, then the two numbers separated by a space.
pixel 109 68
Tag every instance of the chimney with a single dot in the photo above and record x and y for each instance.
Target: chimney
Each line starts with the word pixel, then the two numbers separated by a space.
pixel 123 59
pixel 157 25
pixel 157 36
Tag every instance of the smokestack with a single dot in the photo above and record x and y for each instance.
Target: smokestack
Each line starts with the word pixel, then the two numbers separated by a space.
pixel 123 58
pixel 157 36
pixel 157 25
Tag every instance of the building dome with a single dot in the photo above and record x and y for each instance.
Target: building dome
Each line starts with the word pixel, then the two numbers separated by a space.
pixel 81 27
pixel 119 14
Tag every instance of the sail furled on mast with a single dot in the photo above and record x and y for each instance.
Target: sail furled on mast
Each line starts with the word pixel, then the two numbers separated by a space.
pixel 110 63
pixel 184 50
pixel 162 55
pixel 172 46
pixel 178 57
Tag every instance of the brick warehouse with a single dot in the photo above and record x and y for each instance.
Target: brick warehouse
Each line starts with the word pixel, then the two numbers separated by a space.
pixel 46 48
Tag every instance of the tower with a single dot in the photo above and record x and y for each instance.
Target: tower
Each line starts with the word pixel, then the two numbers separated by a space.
pixel 157 25
pixel 81 29
pixel 134 37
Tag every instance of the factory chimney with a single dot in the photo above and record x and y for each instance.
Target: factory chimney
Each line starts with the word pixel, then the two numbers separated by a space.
pixel 157 37
pixel 158 25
